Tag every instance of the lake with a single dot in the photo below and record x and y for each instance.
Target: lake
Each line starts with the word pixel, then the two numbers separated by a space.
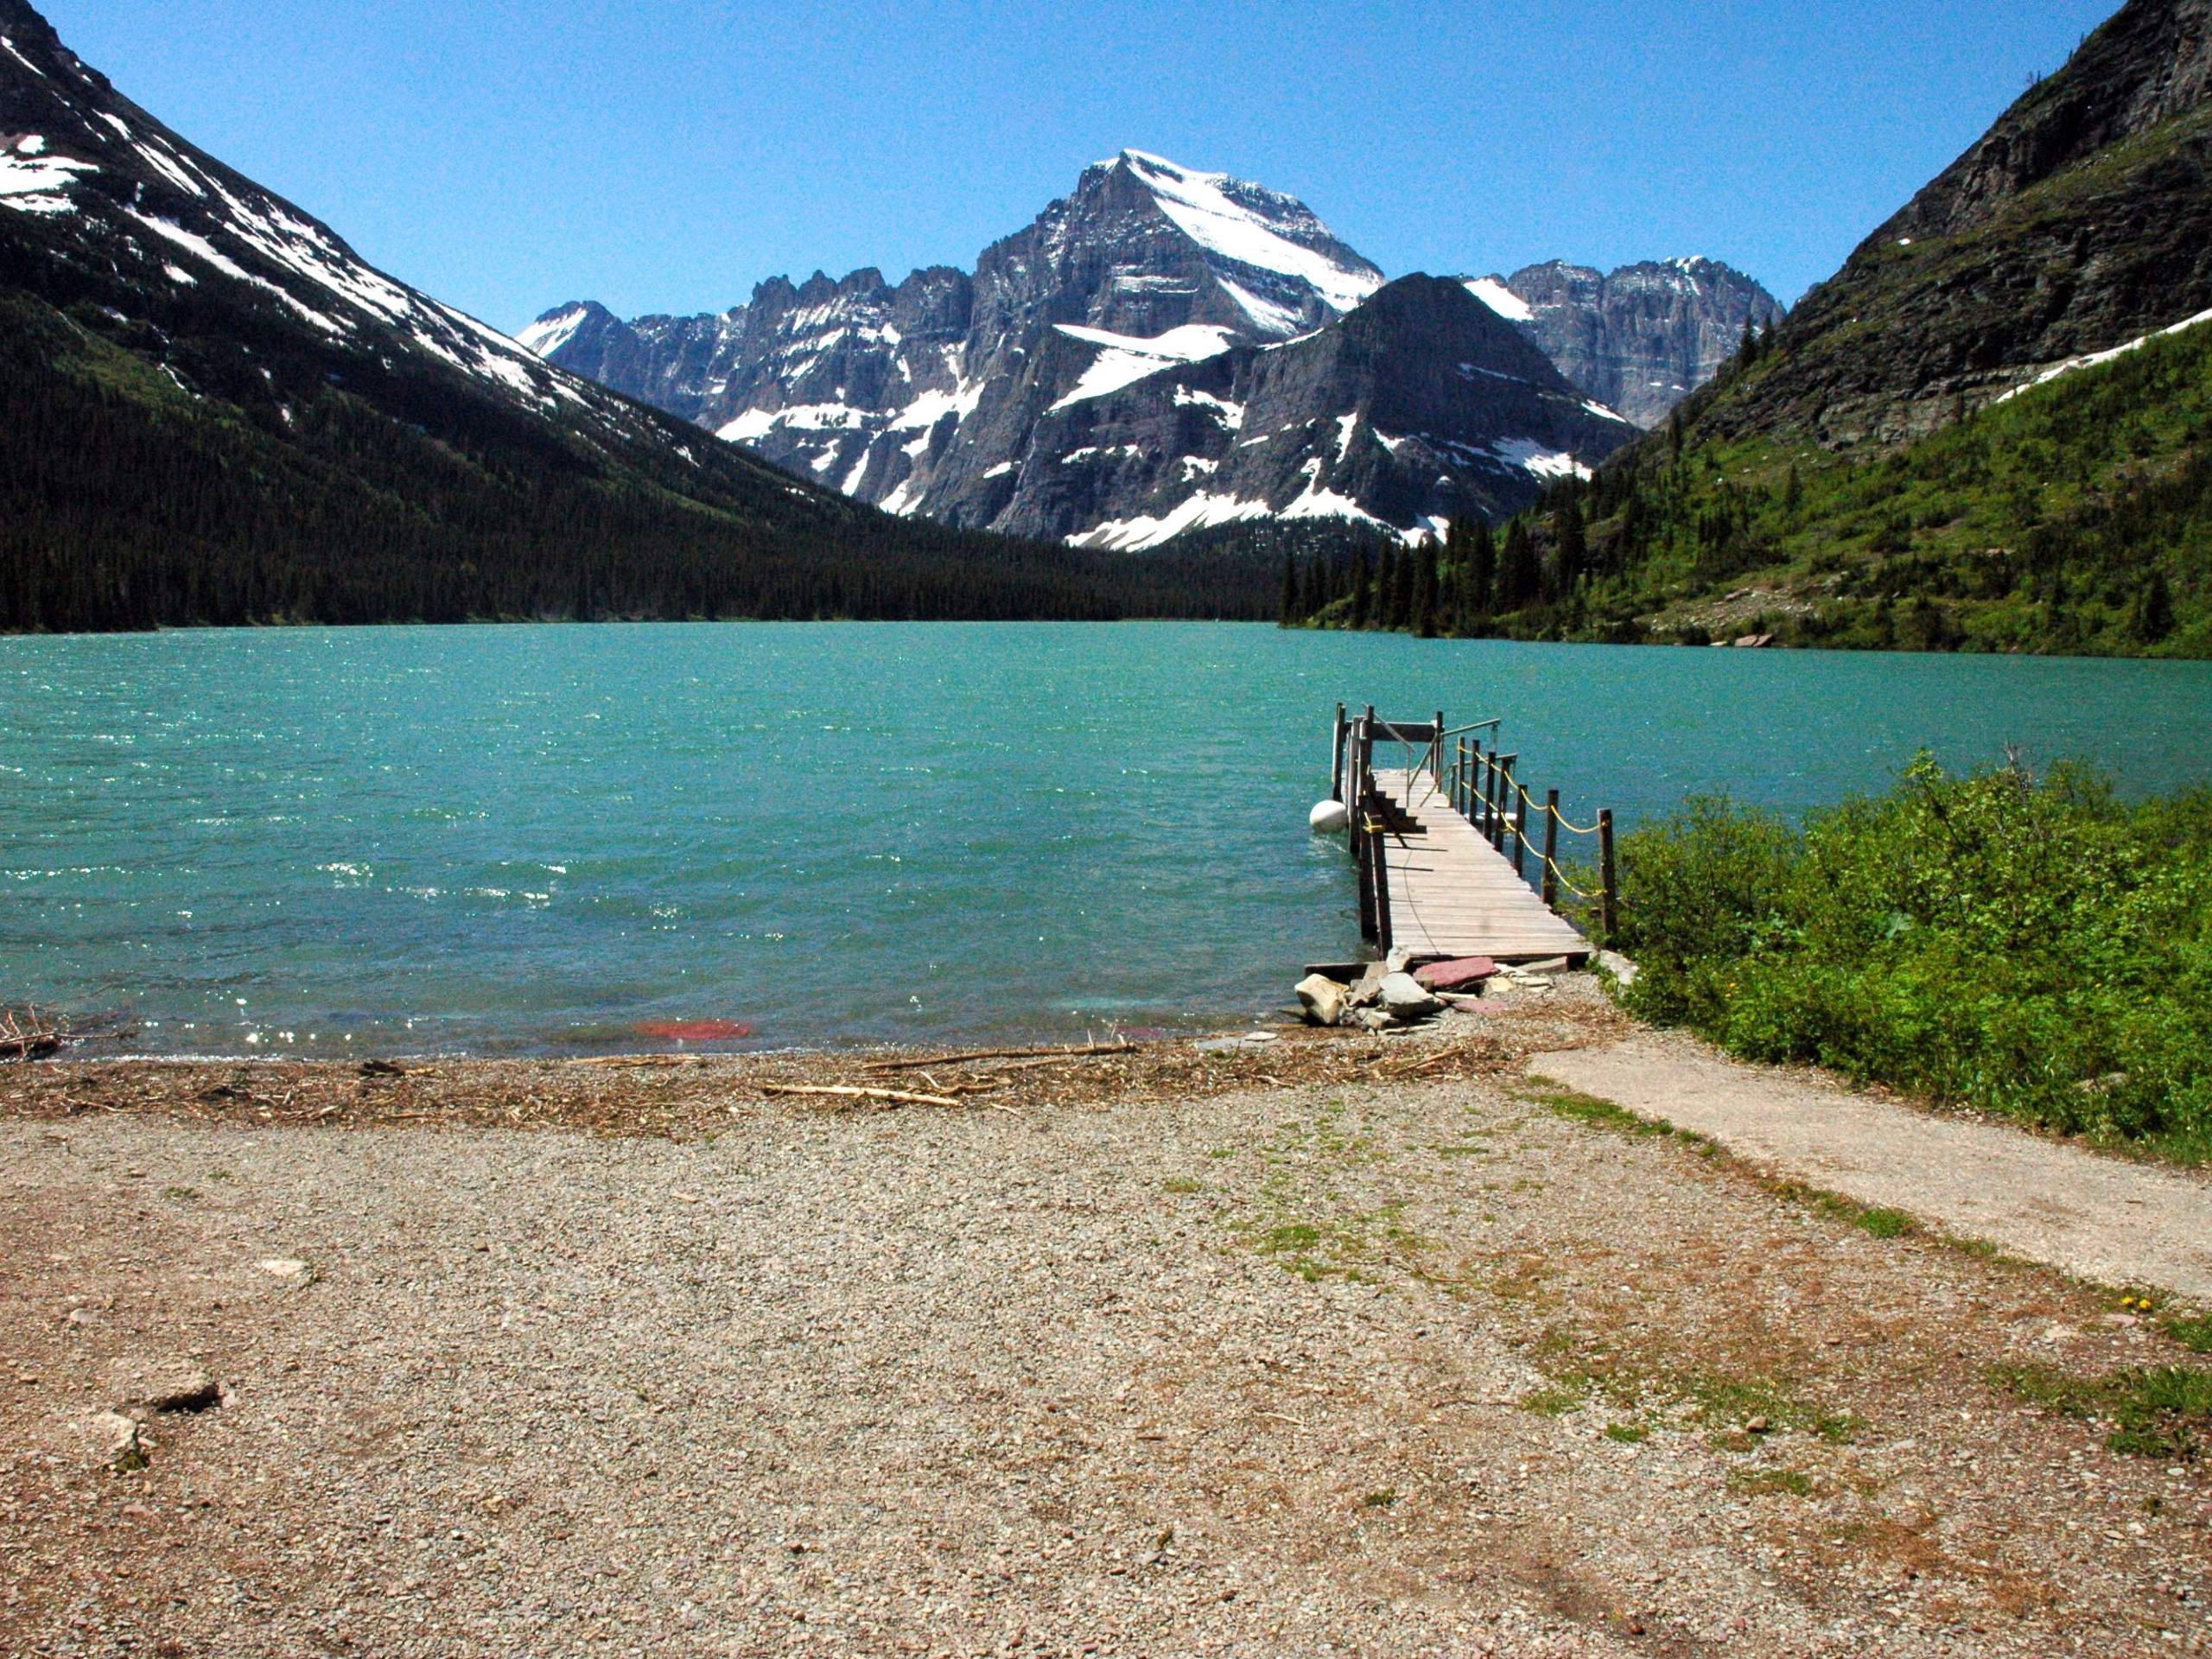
pixel 503 839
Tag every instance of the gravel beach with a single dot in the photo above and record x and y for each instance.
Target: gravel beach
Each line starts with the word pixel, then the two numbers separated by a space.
pixel 1373 1364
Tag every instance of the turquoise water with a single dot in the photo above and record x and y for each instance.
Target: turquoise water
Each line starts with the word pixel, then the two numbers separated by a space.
pixel 498 840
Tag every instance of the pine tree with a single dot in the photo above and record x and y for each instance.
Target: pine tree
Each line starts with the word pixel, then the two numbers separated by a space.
pixel 1362 589
pixel 1424 617
pixel 1517 568
pixel 1573 554
pixel 1747 348
pixel 1793 494
pixel 1674 432
pixel 2152 618
pixel 1290 613
pixel 1482 569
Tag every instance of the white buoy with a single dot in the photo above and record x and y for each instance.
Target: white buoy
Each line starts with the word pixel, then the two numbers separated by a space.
pixel 1329 819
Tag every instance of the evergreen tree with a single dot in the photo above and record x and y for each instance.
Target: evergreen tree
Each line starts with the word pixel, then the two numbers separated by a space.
pixel 1793 493
pixel 2152 618
pixel 1482 569
pixel 1362 589
pixel 1517 568
pixel 1424 617
pixel 1573 551
pixel 1674 432
pixel 1290 612
pixel 1747 348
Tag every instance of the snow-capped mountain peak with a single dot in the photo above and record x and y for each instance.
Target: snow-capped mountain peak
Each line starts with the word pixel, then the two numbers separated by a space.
pixel 1251 226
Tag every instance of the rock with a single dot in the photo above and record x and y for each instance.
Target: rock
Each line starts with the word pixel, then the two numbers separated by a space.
pixel 1759 1425
pixel 1622 970
pixel 1233 1040
pixel 1405 999
pixel 1322 998
pixel 284 1268
pixel 1371 1020
pixel 1463 974
pixel 164 1385
pixel 111 1438
pixel 1367 987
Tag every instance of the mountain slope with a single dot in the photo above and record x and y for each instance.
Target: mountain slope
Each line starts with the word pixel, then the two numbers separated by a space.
pixel 1638 340
pixel 1990 430
pixel 212 409
pixel 2080 220
pixel 977 400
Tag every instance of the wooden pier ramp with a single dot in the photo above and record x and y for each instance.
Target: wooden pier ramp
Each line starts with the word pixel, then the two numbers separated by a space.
pixel 1440 829
pixel 1453 895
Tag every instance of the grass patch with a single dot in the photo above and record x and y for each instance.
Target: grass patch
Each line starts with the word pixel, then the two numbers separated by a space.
pixel 1382 1500
pixel 1871 1219
pixel 1628 1433
pixel 1183 1184
pixel 2192 1331
pixel 1579 1107
pixel 2164 1412
pixel 1770 1483
pixel 1558 1399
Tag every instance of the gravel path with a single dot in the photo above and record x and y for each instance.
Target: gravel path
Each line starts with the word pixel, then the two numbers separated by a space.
pixel 1383 1369
pixel 2119 1223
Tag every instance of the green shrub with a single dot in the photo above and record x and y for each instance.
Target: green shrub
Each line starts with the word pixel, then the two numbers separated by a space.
pixel 2032 947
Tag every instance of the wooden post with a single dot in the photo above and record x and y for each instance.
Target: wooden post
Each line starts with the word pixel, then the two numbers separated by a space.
pixel 1355 783
pixel 1336 758
pixel 1436 750
pixel 1517 817
pixel 1381 859
pixel 1497 801
pixel 1609 911
pixel 1551 848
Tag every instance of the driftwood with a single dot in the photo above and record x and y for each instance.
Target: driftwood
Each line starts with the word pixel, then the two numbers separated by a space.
pixel 847 1091
pixel 1043 1056
pixel 650 1061
pixel 31 1041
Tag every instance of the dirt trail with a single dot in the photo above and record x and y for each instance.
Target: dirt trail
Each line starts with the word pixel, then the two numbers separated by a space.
pixel 2114 1223
pixel 1388 1368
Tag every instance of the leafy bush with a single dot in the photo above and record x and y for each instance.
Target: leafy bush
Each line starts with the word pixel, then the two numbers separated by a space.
pixel 2032 947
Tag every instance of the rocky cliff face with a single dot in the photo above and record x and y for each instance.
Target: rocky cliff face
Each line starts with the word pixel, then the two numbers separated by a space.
pixel 1141 309
pixel 1638 340
pixel 2080 221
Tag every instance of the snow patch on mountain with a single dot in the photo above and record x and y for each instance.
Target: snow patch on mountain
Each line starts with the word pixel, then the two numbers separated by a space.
pixel 1245 223
pixel 32 180
pixel 1125 358
pixel 549 333
pixel 1500 299
pixel 2091 360
pixel 1534 457
pixel 1196 512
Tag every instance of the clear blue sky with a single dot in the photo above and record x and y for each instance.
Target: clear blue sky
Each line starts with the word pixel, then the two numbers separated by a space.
pixel 665 155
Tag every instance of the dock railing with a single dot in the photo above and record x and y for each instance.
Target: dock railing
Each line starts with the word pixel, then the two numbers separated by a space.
pixel 1482 785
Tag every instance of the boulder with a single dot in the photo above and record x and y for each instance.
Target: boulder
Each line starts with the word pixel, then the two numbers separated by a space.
pixel 1322 998
pixel 1405 999
pixel 1465 974
pixel 164 1385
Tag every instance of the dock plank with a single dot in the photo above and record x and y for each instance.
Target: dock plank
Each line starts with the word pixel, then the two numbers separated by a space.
pixel 1453 893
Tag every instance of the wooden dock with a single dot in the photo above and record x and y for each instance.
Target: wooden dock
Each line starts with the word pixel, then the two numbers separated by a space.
pixel 1440 828
pixel 1453 895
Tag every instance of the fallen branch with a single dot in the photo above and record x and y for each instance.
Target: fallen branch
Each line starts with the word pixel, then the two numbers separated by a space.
pixel 1046 1056
pixel 653 1060
pixel 846 1091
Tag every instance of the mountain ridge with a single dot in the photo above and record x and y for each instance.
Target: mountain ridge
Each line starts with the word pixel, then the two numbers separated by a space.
pixel 216 411
pixel 969 398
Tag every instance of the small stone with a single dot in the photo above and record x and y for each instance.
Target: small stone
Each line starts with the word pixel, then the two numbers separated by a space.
pixel 284 1268
pixel 1405 1000
pixel 165 1385
pixel 1758 1425
pixel 111 1437
pixel 1464 974
pixel 1322 998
